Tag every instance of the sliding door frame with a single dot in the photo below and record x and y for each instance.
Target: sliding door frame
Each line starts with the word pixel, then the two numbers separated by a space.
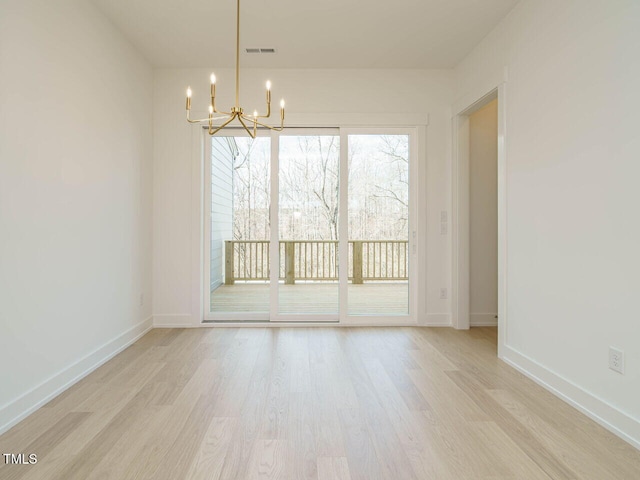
pixel 343 318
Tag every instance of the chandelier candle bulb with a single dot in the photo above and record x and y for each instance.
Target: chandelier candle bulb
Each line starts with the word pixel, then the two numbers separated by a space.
pixel 189 98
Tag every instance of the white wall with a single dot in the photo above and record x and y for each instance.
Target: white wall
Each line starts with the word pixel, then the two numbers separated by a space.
pixel 572 150
pixel 221 207
pixel 75 197
pixel 311 94
pixel 483 215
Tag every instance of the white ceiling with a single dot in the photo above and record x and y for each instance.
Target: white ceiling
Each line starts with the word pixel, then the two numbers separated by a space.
pixel 307 33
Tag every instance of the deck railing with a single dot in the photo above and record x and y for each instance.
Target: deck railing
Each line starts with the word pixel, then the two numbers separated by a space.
pixel 316 260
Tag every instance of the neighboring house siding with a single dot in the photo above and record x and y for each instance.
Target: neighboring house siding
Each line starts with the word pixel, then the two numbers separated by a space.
pixel 221 205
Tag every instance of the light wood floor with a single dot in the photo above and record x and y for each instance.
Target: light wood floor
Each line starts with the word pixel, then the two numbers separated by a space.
pixel 304 403
pixel 374 298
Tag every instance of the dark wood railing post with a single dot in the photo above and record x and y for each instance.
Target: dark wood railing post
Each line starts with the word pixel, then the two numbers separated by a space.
pixel 289 263
pixel 229 274
pixel 357 262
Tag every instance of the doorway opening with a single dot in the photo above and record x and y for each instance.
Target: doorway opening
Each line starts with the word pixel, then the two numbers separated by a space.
pixel 479 211
pixel 483 216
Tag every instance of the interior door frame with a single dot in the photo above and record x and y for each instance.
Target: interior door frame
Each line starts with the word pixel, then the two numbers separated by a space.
pixel 460 198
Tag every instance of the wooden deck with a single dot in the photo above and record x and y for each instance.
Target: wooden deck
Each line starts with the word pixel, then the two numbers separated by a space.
pixel 313 298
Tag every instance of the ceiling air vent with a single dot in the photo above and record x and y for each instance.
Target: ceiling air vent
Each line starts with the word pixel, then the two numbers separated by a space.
pixel 260 50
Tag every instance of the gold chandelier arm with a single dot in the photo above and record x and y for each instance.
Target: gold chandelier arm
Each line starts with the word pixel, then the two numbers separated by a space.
pixel 270 127
pixel 204 120
pixel 268 114
pixel 221 113
pixel 268 108
pixel 251 134
pixel 261 116
pixel 213 132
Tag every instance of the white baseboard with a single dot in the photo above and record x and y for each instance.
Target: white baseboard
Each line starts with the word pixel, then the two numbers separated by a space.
pixel 483 319
pixel 614 420
pixel 23 406
pixel 173 320
pixel 185 320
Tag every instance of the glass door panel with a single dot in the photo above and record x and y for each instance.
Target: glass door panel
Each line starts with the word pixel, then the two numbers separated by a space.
pixel 293 272
pixel 378 225
pixel 239 226
pixel 308 214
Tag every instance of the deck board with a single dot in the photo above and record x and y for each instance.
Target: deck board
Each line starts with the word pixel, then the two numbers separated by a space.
pixel 313 298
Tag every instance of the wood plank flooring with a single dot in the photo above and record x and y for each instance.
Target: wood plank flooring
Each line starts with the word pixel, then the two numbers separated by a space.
pixel 313 403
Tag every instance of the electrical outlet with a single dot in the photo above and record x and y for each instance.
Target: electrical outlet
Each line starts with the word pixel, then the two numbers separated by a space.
pixel 142 299
pixel 616 360
pixel 443 294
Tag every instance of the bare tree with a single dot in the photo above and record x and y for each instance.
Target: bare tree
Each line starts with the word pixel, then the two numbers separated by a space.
pixel 309 187
pixel 251 200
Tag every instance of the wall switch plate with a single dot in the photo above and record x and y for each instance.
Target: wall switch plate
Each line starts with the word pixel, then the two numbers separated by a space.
pixel 444 222
pixel 616 360
pixel 443 294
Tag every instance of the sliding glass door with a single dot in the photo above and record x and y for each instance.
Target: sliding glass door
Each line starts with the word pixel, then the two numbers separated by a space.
pixel 308 174
pixel 237 227
pixel 378 224
pixel 310 225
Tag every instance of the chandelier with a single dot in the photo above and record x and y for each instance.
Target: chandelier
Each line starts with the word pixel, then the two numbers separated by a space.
pixel 249 122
